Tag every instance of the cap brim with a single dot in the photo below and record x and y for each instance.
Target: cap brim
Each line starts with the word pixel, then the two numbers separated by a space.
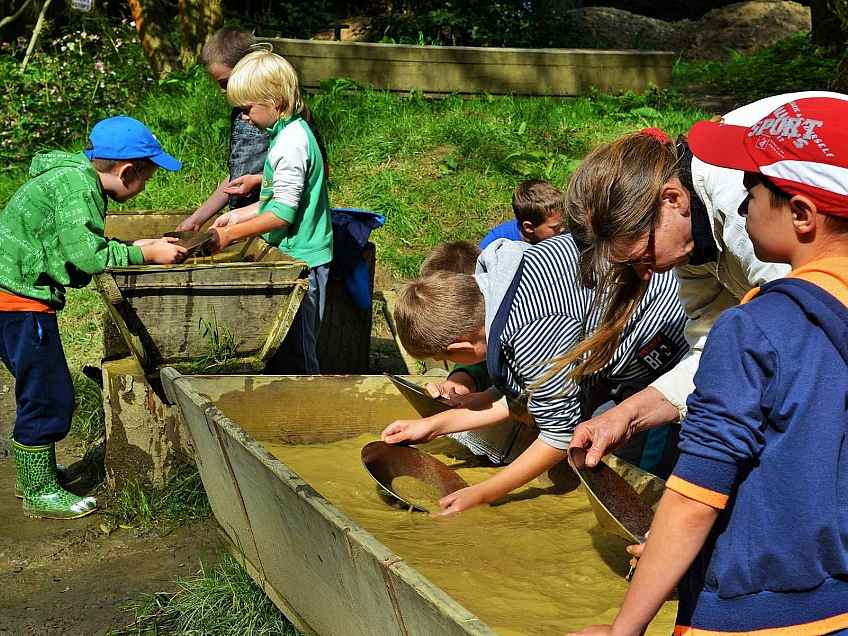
pixel 164 160
pixel 721 145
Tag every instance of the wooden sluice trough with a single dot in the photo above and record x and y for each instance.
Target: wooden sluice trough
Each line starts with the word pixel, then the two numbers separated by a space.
pixel 326 573
pixel 229 312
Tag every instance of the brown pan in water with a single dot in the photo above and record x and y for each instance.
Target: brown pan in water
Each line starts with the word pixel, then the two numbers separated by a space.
pixel 618 508
pixel 412 476
pixel 418 397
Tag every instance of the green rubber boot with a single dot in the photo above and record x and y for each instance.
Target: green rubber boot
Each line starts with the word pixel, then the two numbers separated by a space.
pixel 43 496
pixel 61 475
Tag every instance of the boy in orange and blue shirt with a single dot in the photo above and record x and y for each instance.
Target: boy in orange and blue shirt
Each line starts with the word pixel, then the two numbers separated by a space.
pixel 754 521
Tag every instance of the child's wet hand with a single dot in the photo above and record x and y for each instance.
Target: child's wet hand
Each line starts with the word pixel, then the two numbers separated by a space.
pixel 636 550
pixel 219 241
pixel 244 184
pixel 187 226
pixel 460 501
pixel 447 390
pixel 226 219
pixel 409 431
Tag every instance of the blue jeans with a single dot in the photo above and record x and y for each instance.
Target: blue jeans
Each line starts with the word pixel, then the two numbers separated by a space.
pixel 297 354
pixel 31 349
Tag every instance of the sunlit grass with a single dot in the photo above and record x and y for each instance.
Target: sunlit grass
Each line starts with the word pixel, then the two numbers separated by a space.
pixel 221 599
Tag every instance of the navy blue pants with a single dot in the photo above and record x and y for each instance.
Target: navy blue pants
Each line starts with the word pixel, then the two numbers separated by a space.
pixel 32 351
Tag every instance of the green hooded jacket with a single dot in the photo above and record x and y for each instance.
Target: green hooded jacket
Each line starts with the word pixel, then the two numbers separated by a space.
pixel 51 231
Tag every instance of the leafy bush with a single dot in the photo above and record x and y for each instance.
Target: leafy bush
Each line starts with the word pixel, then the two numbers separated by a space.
pixel 793 64
pixel 515 23
pixel 72 82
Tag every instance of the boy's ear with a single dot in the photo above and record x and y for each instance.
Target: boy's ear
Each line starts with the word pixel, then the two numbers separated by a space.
pixel 527 227
pixel 460 346
pixel 804 214
pixel 125 171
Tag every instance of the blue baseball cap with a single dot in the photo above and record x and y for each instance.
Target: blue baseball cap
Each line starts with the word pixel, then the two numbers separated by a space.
pixel 123 137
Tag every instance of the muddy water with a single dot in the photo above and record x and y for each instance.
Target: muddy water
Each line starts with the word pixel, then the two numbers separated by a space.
pixel 533 565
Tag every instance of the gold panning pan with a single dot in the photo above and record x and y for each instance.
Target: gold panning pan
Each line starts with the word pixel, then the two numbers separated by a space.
pixel 618 508
pixel 418 397
pixel 412 476
pixel 192 240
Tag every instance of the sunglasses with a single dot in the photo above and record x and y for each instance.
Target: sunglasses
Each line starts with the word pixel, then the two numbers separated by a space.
pixel 648 258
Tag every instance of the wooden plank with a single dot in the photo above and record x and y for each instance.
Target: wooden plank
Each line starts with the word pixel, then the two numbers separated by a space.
pixel 214 467
pixel 447 69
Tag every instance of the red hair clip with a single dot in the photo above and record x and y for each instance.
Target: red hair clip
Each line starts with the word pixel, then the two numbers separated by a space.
pixel 656 133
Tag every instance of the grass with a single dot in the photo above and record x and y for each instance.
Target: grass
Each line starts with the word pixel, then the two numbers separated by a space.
pixel 222 600
pixel 179 502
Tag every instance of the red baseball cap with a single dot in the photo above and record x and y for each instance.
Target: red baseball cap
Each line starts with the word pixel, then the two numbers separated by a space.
pixel 801 147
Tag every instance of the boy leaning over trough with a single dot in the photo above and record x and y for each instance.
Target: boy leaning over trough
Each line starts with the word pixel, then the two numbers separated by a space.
pixel 51 238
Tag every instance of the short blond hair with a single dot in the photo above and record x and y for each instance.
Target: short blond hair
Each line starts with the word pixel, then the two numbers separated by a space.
pixel 263 77
pixel 438 310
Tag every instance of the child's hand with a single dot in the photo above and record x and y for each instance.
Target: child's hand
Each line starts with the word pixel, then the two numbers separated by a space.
pixel 163 251
pixel 636 550
pixel 219 242
pixel 409 431
pixel 446 390
pixel 461 500
pixel 244 184
pixel 189 225
pixel 226 219
pixel 140 242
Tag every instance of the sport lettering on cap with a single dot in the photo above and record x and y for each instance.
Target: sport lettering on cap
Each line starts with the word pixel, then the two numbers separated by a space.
pixel 801 147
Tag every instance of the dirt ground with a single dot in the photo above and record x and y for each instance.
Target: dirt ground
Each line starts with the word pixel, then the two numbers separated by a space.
pixel 70 578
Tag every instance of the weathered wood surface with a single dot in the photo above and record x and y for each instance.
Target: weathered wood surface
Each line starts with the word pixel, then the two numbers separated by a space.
pixel 147 441
pixel 325 572
pixel 168 314
pixel 449 69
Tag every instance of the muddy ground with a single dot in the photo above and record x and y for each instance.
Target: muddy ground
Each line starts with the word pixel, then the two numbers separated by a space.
pixel 70 578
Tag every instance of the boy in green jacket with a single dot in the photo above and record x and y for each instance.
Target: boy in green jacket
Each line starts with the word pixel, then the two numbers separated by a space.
pixel 51 238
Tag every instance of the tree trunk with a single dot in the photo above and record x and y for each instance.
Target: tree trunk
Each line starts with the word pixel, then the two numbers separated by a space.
pixel 826 25
pixel 152 24
pixel 840 82
pixel 198 20
pixel 833 36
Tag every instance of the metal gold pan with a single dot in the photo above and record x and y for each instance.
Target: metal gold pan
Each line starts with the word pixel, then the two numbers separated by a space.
pixel 385 462
pixel 618 508
pixel 417 397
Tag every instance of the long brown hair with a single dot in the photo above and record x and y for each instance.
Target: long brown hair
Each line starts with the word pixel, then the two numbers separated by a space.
pixel 614 195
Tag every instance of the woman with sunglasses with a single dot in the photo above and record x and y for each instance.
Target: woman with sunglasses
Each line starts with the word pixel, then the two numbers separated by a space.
pixel 643 205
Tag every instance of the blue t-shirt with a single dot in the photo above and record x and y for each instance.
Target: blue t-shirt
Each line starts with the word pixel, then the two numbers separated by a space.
pixel 507 230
